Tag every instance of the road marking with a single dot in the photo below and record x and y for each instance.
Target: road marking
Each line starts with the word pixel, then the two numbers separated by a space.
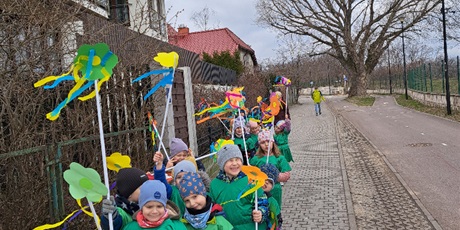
pixel 444 144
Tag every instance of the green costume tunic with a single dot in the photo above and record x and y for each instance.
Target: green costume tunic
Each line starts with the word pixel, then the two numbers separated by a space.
pixel 217 223
pixel 168 224
pixel 281 140
pixel 238 212
pixel 281 164
pixel 177 199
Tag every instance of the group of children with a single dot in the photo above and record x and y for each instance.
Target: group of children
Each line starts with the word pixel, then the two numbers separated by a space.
pixel 191 200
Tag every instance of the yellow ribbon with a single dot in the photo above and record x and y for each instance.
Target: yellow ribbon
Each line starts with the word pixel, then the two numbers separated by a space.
pixel 50 226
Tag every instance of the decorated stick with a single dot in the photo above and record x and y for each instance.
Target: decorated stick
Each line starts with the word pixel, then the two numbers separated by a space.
pixel 91 206
pixel 244 142
pixel 228 130
pixel 104 160
pixel 272 130
pixel 152 122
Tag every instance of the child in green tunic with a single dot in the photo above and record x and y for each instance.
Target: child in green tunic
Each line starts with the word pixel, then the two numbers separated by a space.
pixel 201 212
pixel 229 184
pixel 275 219
pixel 282 131
pixel 178 171
pixel 154 212
pixel 241 138
pixel 125 202
pixel 275 158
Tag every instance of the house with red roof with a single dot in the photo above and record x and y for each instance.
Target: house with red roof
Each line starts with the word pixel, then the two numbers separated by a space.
pixel 210 41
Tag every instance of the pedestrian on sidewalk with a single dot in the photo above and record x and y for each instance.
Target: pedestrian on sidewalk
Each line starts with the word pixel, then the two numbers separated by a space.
pixel 317 97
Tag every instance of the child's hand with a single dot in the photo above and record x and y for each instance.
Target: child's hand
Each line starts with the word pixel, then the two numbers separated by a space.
pixel 256 216
pixel 171 162
pixel 158 159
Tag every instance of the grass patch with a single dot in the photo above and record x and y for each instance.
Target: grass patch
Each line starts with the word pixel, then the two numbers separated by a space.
pixel 437 111
pixel 361 100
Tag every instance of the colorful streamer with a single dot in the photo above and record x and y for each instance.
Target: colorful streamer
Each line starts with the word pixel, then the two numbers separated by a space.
pixel 281 80
pixel 93 63
pixel 169 60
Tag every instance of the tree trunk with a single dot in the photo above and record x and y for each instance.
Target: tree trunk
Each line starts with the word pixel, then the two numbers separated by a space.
pixel 358 84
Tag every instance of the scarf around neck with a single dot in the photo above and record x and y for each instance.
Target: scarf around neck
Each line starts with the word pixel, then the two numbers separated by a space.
pixel 198 221
pixel 144 223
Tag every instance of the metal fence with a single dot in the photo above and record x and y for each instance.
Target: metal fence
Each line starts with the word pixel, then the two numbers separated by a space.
pixel 425 77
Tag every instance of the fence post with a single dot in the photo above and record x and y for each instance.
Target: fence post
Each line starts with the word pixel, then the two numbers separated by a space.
pixel 442 76
pixel 424 77
pixel 458 76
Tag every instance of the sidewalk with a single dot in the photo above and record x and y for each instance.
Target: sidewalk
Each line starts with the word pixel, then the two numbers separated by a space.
pixel 324 194
pixel 317 195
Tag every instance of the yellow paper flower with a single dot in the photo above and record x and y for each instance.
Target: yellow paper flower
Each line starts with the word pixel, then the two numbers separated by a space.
pixel 255 176
pixel 116 161
pixel 170 59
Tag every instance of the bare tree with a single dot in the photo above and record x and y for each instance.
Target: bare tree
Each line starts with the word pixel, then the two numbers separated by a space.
pixel 356 33
pixel 201 18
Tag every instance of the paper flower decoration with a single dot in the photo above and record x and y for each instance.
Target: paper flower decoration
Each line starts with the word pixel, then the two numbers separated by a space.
pixel 169 60
pixel 84 182
pixel 117 161
pixel 234 99
pixel 273 108
pixel 280 80
pixel 255 176
pixel 92 63
pixel 217 145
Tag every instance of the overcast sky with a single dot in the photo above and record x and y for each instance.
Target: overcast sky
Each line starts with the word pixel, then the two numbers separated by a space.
pixel 237 15
pixel 240 16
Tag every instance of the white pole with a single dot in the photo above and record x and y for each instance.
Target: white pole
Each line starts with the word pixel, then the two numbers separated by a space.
pixel 91 206
pixel 103 152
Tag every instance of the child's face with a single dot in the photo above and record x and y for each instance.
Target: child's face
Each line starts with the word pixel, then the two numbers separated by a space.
pixel 265 145
pixel 254 130
pixel 233 167
pixel 278 129
pixel 153 210
pixel 267 187
pixel 180 157
pixel 179 177
pixel 239 131
pixel 194 201
pixel 134 197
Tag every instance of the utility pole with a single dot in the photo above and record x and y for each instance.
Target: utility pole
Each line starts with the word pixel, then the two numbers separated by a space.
pixel 404 58
pixel 389 70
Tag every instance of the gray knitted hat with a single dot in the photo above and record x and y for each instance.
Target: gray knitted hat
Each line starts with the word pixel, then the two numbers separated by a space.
pixel 183 166
pixel 226 153
pixel 176 146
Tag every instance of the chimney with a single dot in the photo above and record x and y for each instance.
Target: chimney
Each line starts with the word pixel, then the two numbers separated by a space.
pixel 183 30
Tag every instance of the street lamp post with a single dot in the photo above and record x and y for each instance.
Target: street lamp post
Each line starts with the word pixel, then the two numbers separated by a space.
pixel 404 59
pixel 446 60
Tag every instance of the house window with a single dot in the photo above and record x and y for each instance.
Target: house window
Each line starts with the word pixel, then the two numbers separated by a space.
pixel 119 11
pixel 157 16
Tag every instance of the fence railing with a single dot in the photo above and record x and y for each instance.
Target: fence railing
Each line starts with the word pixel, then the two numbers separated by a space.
pixel 425 77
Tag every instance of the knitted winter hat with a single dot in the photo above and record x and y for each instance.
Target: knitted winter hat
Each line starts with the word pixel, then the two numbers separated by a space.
pixel 183 166
pixel 280 123
pixel 190 184
pixel 152 190
pixel 271 171
pixel 265 135
pixel 128 180
pixel 238 122
pixel 226 153
pixel 176 146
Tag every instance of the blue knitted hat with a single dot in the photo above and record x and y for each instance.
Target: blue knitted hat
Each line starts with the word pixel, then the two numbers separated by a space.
pixel 271 171
pixel 190 184
pixel 152 190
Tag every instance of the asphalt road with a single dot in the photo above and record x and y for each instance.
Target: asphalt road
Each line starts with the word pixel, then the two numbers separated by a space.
pixel 423 149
